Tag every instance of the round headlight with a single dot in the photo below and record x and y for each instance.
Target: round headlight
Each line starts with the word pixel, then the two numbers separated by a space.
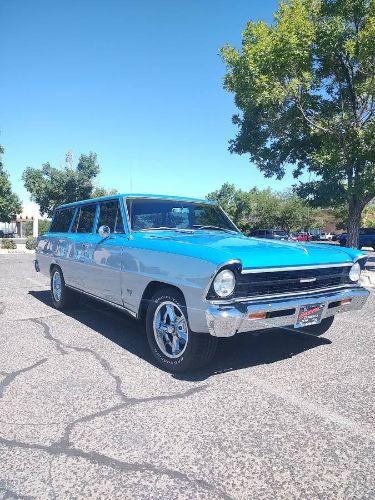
pixel 355 272
pixel 224 283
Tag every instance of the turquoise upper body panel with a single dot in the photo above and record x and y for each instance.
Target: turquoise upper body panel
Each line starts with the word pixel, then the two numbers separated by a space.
pixel 219 248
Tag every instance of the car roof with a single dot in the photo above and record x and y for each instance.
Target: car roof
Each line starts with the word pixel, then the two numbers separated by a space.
pixel 133 196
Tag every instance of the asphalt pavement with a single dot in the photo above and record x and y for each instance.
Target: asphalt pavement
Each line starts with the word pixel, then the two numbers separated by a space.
pixel 85 413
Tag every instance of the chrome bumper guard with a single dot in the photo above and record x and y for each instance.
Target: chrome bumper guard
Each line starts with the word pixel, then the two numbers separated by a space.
pixel 229 319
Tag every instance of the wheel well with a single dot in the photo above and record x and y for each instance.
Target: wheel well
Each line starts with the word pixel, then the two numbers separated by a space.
pixel 150 289
pixel 51 267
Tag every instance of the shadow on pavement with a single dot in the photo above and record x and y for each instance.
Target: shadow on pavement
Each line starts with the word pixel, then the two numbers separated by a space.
pixel 234 353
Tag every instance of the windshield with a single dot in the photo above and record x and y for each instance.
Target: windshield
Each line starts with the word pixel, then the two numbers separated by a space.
pixel 149 214
pixel 280 233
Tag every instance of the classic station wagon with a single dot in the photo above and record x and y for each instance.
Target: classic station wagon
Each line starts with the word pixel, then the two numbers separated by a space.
pixel 182 266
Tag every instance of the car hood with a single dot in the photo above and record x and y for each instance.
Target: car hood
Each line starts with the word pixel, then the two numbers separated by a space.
pixel 219 247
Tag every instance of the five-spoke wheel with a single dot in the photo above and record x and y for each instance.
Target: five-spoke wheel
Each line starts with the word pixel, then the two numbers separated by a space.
pixel 170 329
pixel 174 346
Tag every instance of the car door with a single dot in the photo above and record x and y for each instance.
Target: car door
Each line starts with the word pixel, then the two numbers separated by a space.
pixel 82 237
pixel 106 253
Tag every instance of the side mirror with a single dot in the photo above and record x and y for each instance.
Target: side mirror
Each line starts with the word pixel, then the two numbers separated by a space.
pixel 104 231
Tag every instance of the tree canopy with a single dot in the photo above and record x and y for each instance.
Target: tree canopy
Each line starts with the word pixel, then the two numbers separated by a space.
pixel 50 186
pixel 265 208
pixel 305 88
pixel 100 191
pixel 10 204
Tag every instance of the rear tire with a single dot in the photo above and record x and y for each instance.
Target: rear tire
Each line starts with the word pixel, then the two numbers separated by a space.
pixel 174 346
pixel 320 329
pixel 62 296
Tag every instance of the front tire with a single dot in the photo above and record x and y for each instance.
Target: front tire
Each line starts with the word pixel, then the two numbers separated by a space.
pixel 62 296
pixel 174 346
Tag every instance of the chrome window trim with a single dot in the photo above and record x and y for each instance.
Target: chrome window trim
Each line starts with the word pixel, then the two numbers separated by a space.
pixel 208 202
pixel 280 296
pixel 110 200
pixel 294 268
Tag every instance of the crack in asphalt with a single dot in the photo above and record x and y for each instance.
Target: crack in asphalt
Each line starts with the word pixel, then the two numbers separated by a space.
pixel 65 442
pixel 10 377
pixel 63 348
pixel 114 463
pixel 48 335
pixel 8 493
pixel 64 447
pixel 2 307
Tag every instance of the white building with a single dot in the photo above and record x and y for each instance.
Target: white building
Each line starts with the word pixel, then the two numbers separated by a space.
pixel 15 228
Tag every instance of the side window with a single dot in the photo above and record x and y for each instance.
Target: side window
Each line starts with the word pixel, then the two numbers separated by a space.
pixel 110 215
pixel 84 220
pixel 61 220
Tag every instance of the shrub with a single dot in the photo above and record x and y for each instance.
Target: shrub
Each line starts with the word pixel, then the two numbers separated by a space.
pixel 8 244
pixel 30 243
pixel 28 228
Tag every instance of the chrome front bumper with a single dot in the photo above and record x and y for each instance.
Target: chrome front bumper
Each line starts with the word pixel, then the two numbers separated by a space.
pixel 225 320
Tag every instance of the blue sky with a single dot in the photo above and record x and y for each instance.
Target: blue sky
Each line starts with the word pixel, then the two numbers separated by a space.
pixel 138 82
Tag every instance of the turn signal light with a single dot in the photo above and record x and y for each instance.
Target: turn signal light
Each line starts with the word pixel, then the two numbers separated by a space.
pixel 258 315
pixel 345 301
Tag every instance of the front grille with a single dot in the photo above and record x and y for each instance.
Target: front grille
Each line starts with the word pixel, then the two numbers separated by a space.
pixel 279 282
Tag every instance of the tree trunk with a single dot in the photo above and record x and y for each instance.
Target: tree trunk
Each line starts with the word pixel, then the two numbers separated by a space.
pixel 354 221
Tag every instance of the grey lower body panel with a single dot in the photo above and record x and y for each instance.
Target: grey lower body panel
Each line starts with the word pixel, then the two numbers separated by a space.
pixel 229 319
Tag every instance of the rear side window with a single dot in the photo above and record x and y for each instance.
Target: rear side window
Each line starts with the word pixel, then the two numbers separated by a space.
pixel 61 220
pixel 110 215
pixel 84 219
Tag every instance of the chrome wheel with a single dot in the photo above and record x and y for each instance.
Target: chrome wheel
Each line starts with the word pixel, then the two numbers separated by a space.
pixel 170 329
pixel 56 286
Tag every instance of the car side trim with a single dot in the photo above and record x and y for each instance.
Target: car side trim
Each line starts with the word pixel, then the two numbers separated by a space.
pixel 113 304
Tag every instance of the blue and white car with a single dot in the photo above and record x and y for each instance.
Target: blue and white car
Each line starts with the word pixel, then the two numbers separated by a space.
pixel 182 266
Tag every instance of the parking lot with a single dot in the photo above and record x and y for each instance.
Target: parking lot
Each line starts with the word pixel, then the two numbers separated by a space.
pixel 84 412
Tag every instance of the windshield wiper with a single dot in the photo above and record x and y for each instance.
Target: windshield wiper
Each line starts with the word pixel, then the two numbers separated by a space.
pixel 216 228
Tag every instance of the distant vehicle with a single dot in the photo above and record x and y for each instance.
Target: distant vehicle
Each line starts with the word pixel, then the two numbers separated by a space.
pixel 9 234
pixel 366 238
pixel 300 237
pixel 270 234
pixel 326 236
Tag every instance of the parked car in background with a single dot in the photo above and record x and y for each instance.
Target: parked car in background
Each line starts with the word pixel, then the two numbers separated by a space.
pixel 366 238
pixel 183 268
pixel 326 236
pixel 300 237
pixel 270 234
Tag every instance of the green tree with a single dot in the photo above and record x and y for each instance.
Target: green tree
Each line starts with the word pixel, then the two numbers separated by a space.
pixel 43 226
pixel 49 186
pixel 10 204
pixel 262 208
pixel 293 213
pixel 305 88
pixel 100 191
